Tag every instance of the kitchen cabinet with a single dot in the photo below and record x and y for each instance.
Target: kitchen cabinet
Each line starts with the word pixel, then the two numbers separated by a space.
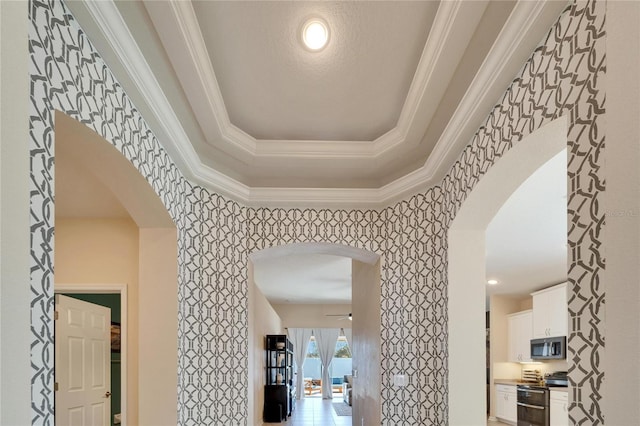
pixel 550 312
pixel 520 326
pixel 558 408
pixel 506 403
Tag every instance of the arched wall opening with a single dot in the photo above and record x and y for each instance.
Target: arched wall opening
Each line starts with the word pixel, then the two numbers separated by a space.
pixel 466 267
pixel 100 251
pixel 366 328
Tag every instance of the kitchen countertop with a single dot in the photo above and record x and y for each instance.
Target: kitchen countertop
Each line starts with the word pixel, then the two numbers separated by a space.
pixel 559 389
pixel 515 382
pixel 507 382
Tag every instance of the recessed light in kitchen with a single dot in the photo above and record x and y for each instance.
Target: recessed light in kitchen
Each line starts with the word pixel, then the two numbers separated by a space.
pixel 492 282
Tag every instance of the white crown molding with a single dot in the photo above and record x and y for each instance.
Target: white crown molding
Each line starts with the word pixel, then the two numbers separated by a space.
pixel 474 103
pixel 446 42
pixel 524 16
pixel 183 14
pixel 107 16
pixel 314 149
pixel 314 197
pixel 108 19
pixel 442 27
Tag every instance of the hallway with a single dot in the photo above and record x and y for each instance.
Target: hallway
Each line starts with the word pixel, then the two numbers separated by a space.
pixel 316 412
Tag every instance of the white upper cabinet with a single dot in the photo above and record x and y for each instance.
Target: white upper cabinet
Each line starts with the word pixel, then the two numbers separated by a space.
pixel 550 312
pixel 520 327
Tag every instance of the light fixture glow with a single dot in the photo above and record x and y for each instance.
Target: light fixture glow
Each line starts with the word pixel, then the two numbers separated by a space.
pixel 492 282
pixel 315 34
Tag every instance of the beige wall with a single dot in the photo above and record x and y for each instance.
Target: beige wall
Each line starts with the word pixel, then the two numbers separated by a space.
pixel 500 367
pixel 116 251
pixel 263 320
pixel 312 315
pixel 366 344
pixel 526 303
pixel 104 251
pixel 550 366
pixel 501 307
pixel 621 278
pixel 15 295
pixel 158 324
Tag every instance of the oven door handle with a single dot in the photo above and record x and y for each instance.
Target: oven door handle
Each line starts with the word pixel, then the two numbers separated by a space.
pixel 531 406
pixel 531 390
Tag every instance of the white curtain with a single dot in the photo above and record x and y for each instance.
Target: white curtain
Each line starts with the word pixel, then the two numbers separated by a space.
pixel 300 339
pixel 326 339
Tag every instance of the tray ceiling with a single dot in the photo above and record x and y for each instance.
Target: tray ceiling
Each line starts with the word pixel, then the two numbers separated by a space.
pixel 384 109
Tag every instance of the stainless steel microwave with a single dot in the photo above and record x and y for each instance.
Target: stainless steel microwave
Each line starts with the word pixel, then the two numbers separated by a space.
pixel 549 348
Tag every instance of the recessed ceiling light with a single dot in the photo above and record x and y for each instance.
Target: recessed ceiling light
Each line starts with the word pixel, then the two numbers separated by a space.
pixel 492 282
pixel 315 34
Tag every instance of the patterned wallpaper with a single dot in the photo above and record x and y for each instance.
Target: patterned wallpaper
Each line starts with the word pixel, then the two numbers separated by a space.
pixel 215 235
pixel 563 77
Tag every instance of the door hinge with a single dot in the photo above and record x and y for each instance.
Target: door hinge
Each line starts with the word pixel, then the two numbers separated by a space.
pixel 55 315
pixel 55 387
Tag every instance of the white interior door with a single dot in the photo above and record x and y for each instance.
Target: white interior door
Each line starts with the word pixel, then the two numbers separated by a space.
pixel 82 364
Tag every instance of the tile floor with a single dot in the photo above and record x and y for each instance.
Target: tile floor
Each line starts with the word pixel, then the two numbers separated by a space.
pixel 315 411
pixel 496 423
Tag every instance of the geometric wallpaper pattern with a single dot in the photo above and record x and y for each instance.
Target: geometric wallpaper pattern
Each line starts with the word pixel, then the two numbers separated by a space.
pixel 584 102
pixel 563 77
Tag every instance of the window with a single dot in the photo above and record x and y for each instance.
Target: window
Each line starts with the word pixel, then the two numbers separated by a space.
pixel 342 348
pixel 312 349
pixel 340 366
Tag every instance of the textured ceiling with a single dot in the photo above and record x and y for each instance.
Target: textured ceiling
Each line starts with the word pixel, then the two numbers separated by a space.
pixel 354 89
pixel 369 107
pixel 379 113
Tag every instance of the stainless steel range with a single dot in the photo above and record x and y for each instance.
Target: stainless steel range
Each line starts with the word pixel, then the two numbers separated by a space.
pixel 533 405
pixel 533 400
pixel 557 379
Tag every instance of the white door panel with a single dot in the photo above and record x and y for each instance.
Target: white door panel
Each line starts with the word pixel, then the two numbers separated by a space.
pixel 82 366
pixel 76 416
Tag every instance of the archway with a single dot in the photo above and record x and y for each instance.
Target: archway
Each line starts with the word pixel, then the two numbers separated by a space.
pixel 135 249
pixel 365 326
pixel 467 276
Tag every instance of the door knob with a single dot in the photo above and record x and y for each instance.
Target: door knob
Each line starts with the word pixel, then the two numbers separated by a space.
pixel 107 394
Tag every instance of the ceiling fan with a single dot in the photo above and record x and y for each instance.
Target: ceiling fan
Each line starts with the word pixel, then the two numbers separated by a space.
pixel 342 316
